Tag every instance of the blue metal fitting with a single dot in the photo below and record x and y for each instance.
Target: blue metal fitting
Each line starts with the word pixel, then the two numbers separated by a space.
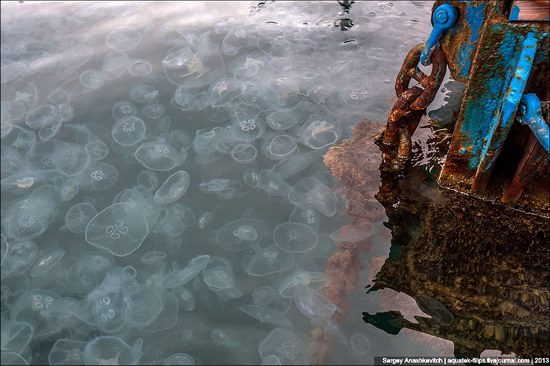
pixel 444 17
pixel 530 114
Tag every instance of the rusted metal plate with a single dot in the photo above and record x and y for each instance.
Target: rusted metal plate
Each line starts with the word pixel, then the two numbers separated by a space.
pixel 530 11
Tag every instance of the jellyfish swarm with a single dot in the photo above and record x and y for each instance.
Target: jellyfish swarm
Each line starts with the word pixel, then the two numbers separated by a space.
pixel 118 230
pixel 240 234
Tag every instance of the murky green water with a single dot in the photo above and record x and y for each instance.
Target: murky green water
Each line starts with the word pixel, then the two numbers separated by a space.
pixel 229 107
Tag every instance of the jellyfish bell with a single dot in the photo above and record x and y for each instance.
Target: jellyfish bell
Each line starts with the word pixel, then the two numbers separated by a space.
pixel 66 352
pixel 311 192
pixel 168 316
pixel 123 38
pixel 240 234
pixel 181 277
pixel 87 273
pixel 159 155
pixel 128 131
pixel 142 305
pixel 270 260
pixel 286 346
pixel 107 350
pixel 98 176
pixel 278 146
pixel 186 298
pixel 18 257
pixel 218 274
pixel 312 304
pixel 46 263
pixel 173 188
pixel 319 133
pixel 290 281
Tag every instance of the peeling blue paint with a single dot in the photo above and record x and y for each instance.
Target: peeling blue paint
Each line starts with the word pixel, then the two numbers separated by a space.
pixel 474 17
pixel 514 14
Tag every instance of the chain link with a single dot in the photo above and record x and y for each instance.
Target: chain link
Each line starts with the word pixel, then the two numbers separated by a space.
pixel 404 117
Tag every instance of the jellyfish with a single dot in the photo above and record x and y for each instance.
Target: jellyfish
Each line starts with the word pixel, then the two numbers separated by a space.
pixel 270 260
pixel 108 350
pixel 218 274
pixel 98 176
pixel 168 316
pixel 309 217
pixel 265 314
pixel 96 149
pixel 311 192
pixel 45 115
pixel 12 358
pixel 294 237
pixel 353 233
pixel 240 234
pixel 15 336
pixel 222 92
pixel 204 219
pixel 247 66
pixel 153 257
pixel 123 109
pixel 107 310
pixel 128 131
pixel 18 258
pixel 142 305
pixel 66 112
pixel 140 68
pixel 284 345
pixel 78 216
pixel 272 183
pixel 181 277
pixel 264 295
pixel 159 155
pixel 173 188
pixel 178 359
pixel 148 180
pixel 271 360
pixel 185 297
pixel 38 308
pixel 153 111
pixel 91 79
pixel 87 273
pixel 123 38
pixel 20 139
pixel 223 188
pixel 319 133
pixel 180 139
pixel 5 248
pixel 115 64
pixel 239 37
pixel 144 94
pixel 185 100
pixel 118 230
pixel 59 96
pixel 248 122
pixel 250 177
pixel 174 219
pixel 29 217
pixel 141 200
pixel 11 161
pixel 360 343
pixel 279 147
pixel 11 71
pixel 221 338
pixel 312 304
pixel 46 263
pixel 289 283
pixel 66 352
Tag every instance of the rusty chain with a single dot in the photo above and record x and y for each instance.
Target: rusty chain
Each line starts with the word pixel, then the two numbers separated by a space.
pixel 404 117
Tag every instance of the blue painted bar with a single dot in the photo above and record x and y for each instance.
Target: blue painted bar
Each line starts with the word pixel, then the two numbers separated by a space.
pixel 443 18
pixel 530 114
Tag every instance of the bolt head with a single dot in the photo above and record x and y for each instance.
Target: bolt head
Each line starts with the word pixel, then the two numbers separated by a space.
pixel 441 16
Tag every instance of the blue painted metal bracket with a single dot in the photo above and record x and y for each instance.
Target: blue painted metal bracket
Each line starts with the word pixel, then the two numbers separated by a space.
pixel 530 114
pixel 443 18
pixel 502 120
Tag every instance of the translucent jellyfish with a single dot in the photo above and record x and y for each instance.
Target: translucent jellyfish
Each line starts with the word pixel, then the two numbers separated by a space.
pixel 153 111
pixel 251 177
pixel 168 316
pixel 221 338
pixel 239 37
pixel 181 277
pixel 248 122
pixel 111 351
pixel 46 263
pixel 204 219
pixel 309 217
pixel 140 68
pixel 15 336
pixel 91 79
pixel 128 131
pixel 11 161
pixel 218 274
pixel 223 188
pixel 148 179
pixel 118 230
pixel 5 248
pixel 181 139
pixel 78 216
pixel 96 149
pixel 311 192
pixel 123 38
pixel 296 164
pixel 265 314
pixel 270 260
pixel 142 200
pixel 19 257
pixel 144 93
pixel 115 64
pixel 87 273
pixel 284 345
pixel 174 218
pixel 279 147
pixel 20 139
pixel 59 96
pixel 142 305
pixel 247 66
pixel 178 359
pixel 45 115
pixel 185 297
pixel 66 352
pixel 273 184
pixel 222 92
pixel 353 233
pixel 320 133
pixel 360 343
pixel 173 188
pixel 185 100
pixel 240 234
pixel 294 237
pixel 11 71
pixel 66 112
pixel 38 308
pixel 289 283
pixel 159 155
pixel 260 94
pixel 271 360
pixel 107 310
pixel 437 310
pixel 123 109
pixel 153 257
pixel 12 358
pixel 204 143
pixel 98 176
pixel 28 217
pixel 76 56
pixel 312 304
